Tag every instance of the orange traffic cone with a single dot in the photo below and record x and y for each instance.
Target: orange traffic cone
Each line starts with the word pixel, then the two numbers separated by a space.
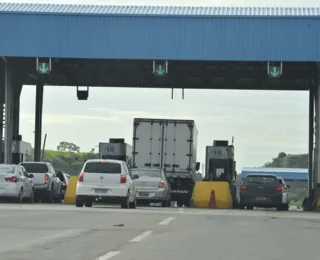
pixel 212 201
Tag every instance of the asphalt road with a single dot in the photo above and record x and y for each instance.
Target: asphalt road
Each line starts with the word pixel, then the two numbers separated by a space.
pixel 47 232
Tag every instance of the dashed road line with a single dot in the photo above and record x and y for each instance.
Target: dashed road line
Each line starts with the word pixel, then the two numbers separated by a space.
pixel 166 221
pixel 108 255
pixel 142 236
pixel 181 211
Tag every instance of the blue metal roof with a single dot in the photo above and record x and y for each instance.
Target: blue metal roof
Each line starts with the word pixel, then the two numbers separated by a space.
pixel 154 10
pixel 159 32
pixel 285 173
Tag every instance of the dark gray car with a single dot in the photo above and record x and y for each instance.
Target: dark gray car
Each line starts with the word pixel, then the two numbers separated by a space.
pixel 152 186
pixel 263 191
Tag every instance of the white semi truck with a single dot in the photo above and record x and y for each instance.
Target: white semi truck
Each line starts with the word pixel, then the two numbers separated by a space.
pixel 171 145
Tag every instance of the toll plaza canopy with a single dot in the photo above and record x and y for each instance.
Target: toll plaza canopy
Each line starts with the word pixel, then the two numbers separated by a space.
pixel 159 32
pixel 289 174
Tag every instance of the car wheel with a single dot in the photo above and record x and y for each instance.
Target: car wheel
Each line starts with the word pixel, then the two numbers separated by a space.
pixel 133 204
pixel 126 202
pixel 59 198
pixel 50 196
pixel 88 204
pixel 283 207
pixel 79 203
pixel 20 196
pixel 31 199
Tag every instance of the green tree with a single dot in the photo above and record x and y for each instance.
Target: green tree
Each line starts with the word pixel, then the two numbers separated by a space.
pixel 282 155
pixel 66 146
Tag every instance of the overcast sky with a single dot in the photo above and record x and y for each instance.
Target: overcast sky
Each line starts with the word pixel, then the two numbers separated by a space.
pixel 262 122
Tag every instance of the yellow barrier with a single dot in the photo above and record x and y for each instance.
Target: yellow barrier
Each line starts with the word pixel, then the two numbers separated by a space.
pixel 202 191
pixel 70 195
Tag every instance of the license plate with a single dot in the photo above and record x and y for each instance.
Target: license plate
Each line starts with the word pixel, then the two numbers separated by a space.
pixel 101 190
pixel 144 194
pixel 261 198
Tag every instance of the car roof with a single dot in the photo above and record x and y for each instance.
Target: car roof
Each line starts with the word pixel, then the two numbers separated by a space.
pixel 105 160
pixel 34 162
pixel 262 175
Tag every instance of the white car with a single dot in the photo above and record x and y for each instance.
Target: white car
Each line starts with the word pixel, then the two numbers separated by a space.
pixel 107 181
pixel 16 183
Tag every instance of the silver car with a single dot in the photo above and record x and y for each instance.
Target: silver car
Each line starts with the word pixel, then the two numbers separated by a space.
pixel 16 183
pixel 152 186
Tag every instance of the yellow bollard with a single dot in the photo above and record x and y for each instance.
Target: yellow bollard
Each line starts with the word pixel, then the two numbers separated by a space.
pixel 202 192
pixel 70 195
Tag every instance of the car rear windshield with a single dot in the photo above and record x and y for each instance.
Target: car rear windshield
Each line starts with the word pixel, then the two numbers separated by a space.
pixel 35 167
pixel 147 173
pixel 97 167
pixel 261 179
pixel 7 169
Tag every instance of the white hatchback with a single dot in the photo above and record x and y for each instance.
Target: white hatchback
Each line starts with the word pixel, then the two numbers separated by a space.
pixel 107 181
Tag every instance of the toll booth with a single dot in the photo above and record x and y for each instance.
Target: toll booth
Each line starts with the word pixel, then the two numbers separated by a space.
pixel 220 163
pixel 116 149
pixel 21 152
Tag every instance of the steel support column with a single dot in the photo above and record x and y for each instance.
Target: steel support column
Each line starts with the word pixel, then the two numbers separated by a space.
pixel 1 130
pixel 38 122
pixel 316 172
pixel 16 109
pixel 8 112
pixel 310 145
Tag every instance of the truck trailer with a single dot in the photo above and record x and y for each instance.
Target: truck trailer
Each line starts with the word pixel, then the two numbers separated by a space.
pixel 171 145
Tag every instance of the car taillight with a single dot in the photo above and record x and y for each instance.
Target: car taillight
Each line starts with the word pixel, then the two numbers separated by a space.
pixel 244 187
pixel 161 184
pixel 46 177
pixel 278 188
pixel 285 189
pixel 11 179
pixel 63 185
pixel 81 176
pixel 123 178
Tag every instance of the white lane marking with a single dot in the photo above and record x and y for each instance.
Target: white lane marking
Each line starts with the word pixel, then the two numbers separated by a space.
pixel 142 236
pixel 181 211
pixel 108 255
pixel 166 221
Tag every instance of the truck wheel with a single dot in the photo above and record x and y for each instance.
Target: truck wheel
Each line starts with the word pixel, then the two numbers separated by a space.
pixel 179 203
pixel 164 204
pixel 187 203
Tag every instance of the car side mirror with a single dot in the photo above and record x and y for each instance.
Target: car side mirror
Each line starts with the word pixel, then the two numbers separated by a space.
pixel 197 166
pixel 135 176
pixel 31 175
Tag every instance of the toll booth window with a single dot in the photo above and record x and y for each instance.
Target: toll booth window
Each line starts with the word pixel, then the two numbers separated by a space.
pixel 97 167
pixel 219 170
pixel 147 173
pixel 6 169
pixel 35 167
